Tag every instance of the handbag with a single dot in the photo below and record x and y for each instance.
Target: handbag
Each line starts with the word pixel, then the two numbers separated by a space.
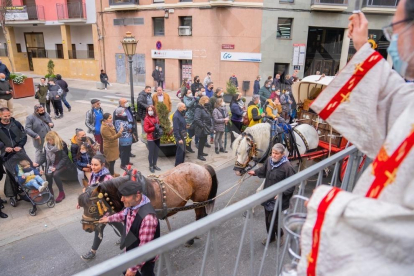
pixel 206 129
pixel 158 132
pixel 37 95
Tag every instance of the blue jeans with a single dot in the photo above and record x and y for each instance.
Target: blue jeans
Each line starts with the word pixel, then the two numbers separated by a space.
pixel 35 183
pixel 64 99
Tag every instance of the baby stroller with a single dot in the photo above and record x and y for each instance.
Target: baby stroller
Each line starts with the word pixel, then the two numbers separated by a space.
pixel 17 192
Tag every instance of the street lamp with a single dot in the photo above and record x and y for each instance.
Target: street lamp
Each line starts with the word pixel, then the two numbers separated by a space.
pixel 130 45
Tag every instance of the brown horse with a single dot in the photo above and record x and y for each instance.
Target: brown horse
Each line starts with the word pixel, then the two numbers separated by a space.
pixel 169 190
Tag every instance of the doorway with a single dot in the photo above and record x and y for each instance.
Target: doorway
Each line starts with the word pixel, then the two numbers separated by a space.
pixel 35 47
pixel 186 69
pixel 59 51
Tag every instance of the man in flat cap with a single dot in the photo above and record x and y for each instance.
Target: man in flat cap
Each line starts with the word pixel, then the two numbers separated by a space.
pixel 93 120
pixel 140 224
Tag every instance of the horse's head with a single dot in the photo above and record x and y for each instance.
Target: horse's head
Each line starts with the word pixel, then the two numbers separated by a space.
pixel 98 200
pixel 245 150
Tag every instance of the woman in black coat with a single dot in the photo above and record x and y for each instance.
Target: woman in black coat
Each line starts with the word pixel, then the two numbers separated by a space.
pixel 276 169
pixel 203 125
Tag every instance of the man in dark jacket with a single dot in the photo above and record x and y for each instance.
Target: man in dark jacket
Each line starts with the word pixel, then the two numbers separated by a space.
pixel 64 85
pixel 265 92
pixel 4 70
pixel 93 121
pixel 180 133
pixel 276 169
pixel 54 94
pixel 37 126
pixel 6 96
pixel 256 86
pixel 234 81
pixel 143 101
pixel 104 79
pixel 156 77
pixel 196 86
pixel 277 82
pixel 12 134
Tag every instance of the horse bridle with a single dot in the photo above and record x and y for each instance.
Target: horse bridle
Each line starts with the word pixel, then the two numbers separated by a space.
pixel 99 205
pixel 251 151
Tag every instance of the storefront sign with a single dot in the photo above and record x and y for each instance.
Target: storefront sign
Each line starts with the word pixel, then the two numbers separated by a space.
pixel 158 45
pixel 299 51
pixel 247 57
pixel 227 46
pixel 16 13
pixel 172 54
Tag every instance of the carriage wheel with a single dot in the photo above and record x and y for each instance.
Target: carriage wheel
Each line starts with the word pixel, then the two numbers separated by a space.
pixel 51 203
pixel 13 202
pixel 32 212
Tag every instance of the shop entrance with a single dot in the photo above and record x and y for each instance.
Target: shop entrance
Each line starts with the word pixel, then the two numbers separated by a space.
pixel 186 68
pixel 35 47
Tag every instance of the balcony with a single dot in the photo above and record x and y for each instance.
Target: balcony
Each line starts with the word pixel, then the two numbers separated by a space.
pixel 71 12
pixel 380 6
pixel 221 3
pixel 120 5
pixel 35 15
pixel 329 5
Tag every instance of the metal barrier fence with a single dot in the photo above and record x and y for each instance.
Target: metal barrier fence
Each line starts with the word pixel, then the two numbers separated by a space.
pixel 210 224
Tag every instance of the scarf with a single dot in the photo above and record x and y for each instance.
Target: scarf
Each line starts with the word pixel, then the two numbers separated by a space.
pixel 51 153
pixel 110 124
pixel 279 163
pixel 144 200
pixel 95 176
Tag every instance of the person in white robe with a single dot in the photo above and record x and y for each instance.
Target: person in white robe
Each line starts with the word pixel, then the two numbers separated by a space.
pixel 371 230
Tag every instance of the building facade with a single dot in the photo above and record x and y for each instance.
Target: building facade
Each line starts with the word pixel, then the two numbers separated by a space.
pixel 186 39
pixel 60 30
pixel 311 35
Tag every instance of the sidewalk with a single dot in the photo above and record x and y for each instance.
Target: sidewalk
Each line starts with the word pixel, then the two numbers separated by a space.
pixel 20 224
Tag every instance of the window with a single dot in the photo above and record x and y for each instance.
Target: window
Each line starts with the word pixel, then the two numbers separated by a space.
pixel 91 53
pixel 123 2
pixel 158 23
pixel 284 28
pixel 19 47
pixel 129 21
pixel 186 21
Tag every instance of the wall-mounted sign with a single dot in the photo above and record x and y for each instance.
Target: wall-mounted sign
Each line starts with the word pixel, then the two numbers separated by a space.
pixel 227 46
pixel 299 51
pixel 296 67
pixel 247 57
pixel 158 45
pixel 16 13
pixel 172 54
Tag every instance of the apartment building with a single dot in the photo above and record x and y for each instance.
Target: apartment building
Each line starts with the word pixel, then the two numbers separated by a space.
pixel 61 30
pixel 185 38
pixel 311 35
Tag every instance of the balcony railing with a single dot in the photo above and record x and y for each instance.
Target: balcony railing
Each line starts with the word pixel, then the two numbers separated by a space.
pixel 330 2
pixel 36 12
pixel 71 11
pixel 380 3
pixel 3 52
pixel 123 2
pixel 43 53
pixel 81 54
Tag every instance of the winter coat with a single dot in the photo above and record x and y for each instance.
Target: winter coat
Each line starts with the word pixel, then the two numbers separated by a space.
pixel 74 147
pixel 234 81
pixel 161 76
pixel 42 93
pixel 103 77
pixel 126 138
pixel 219 114
pixel 206 81
pixel 253 114
pixel 273 176
pixel 284 100
pixel 179 126
pixel 12 135
pixel 142 104
pixel 202 118
pixel 63 84
pixel 37 125
pixel 264 93
pixel 256 87
pixel 83 160
pixel 4 70
pixel 209 93
pixel 4 88
pixel 110 142
pixel 273 110
pixel 196 87
pixel 61 159
pixel 166 101
pixel 156 75
pixel 213 101
pixel 190 103
pixel 90 120
pixel 277 83
pixel 149 126
pixel 54 93
pixel 236 112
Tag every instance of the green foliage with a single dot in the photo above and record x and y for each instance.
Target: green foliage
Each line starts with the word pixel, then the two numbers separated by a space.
pixel 50 68
pixel 243 99
pixel 50 77
pixel 17 78
pixel 165 123
pixel 230 88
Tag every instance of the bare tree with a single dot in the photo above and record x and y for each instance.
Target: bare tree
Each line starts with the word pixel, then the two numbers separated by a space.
pixel 3 11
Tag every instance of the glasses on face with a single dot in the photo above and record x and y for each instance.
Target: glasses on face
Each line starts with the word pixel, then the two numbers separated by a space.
pixel 389 30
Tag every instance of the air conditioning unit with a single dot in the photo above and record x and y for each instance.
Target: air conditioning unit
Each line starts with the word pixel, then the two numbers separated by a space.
pixel 184 30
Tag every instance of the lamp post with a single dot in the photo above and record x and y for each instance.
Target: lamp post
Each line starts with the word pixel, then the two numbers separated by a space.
pixel 130 45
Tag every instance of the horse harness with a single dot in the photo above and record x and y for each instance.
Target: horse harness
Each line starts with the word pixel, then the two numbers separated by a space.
pixel 251 151
pixel 100 205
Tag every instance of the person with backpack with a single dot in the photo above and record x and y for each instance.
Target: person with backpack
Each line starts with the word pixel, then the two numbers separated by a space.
pixel 151 122
pixel 64 85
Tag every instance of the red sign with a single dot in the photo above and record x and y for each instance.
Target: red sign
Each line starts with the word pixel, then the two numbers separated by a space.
pixel 227 46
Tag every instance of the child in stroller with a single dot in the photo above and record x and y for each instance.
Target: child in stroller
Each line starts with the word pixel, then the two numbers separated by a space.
pixel 30 177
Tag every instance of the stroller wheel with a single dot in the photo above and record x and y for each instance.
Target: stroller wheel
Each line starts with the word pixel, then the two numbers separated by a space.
pixel 13 202
pixel 51 203
pixel 32 212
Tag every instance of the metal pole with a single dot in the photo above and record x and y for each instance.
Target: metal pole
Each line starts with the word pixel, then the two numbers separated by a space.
pixel 131 83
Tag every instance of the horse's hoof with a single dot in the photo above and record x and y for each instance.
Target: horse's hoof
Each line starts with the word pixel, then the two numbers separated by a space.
pixel 189 243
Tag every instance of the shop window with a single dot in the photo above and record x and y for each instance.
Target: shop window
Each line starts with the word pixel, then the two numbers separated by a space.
pixel 284 28
pixel 185 28
pixel 19 47
pixel 158 23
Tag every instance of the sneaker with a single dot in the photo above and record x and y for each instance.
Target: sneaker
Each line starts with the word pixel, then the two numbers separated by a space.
pixel 151 169
pixel 45 184
pixel 222 150
pixel 88 256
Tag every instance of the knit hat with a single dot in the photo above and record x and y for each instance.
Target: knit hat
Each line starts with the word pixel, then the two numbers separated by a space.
pixel 94 101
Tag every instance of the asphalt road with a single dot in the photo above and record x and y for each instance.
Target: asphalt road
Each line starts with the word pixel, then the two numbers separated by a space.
pixel 57 252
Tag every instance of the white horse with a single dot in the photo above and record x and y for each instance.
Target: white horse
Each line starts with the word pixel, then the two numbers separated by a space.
pixel 254 143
